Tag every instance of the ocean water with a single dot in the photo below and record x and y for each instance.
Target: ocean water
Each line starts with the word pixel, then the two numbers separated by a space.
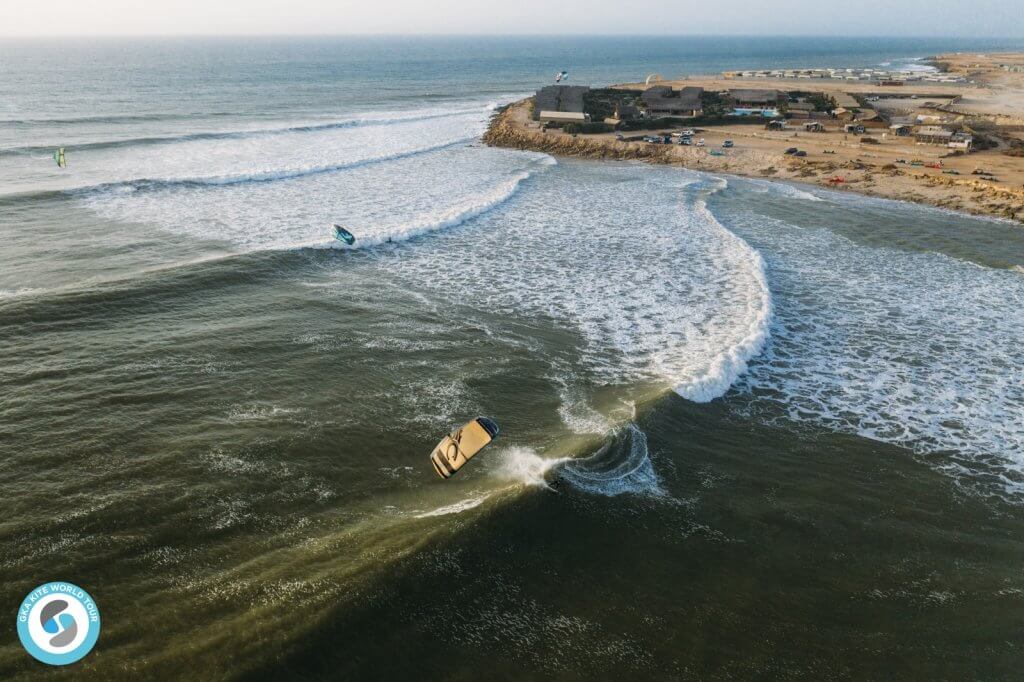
pixel 749 429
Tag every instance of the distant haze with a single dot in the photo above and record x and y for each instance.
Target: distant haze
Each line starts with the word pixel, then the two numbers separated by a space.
pixel 953 18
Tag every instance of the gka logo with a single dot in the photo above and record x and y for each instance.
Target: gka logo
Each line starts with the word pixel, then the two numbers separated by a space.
pixel 58 623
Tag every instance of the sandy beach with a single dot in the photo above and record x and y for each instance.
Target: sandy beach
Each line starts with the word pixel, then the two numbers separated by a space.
pixel 984 182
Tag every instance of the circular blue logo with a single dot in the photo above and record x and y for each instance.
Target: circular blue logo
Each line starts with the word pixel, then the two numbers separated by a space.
pixel 58 623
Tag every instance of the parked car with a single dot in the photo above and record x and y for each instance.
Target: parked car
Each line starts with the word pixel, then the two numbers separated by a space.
pixel 791 151
pixel 700 142
pixel 800 153
pixel 686 141
pixel 727 144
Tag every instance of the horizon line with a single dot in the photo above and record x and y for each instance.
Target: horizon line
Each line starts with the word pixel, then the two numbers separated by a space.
pixel 852 36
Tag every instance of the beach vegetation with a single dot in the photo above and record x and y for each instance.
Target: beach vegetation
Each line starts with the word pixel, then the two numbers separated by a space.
pixel 714 105
pixel 600 103
pixel 821 101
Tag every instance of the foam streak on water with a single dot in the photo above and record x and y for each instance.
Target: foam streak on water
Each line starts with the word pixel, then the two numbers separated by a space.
pixel 917 349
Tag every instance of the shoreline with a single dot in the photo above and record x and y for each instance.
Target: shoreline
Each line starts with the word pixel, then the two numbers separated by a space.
pixel 834 160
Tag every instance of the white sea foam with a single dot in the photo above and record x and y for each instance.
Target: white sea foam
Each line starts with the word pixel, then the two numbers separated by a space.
pixel 780 188
pixel 723 369
pixel 287 154
pixel 523 465
pixel 621 466
pixel 916 349
pixel 454 508
pixel 446 217
pixel 660 294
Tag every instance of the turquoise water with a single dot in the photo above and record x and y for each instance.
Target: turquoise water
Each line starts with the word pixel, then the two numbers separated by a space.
pixel 749 429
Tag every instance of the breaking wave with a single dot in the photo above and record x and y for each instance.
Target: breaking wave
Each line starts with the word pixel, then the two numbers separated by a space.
pixel 452 216
pixel 726 367
pixel 245 134
pixel 919 350
pixel 156 184
pixel 619 467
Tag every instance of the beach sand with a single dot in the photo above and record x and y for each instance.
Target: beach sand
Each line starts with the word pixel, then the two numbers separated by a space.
pixel 870 168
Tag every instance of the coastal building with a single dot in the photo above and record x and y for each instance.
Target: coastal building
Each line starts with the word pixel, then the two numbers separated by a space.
pixel 624 112
pixel 662 100
pixel 799 109
pixel 559 98
pixel 842 114
pixel 870 118
pixel 563 117
pixel 756 102
pixel 901 129
pixel 814 127
pixel 933 135
pixel 961 141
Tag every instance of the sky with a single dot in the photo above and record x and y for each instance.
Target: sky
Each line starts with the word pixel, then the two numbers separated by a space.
pixel 946 18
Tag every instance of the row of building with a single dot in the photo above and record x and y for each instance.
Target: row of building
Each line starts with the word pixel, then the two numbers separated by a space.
pixel 868 75
pixel 567 104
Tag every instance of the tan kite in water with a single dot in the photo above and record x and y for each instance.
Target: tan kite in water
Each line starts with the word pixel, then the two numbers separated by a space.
pixel 458 447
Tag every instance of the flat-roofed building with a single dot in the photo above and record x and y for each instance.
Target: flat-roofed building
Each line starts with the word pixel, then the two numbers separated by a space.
pixel 563 117
pixel 662 100
pixel 752 98
pixel 933 135
pixel 962 141
pixel 554 98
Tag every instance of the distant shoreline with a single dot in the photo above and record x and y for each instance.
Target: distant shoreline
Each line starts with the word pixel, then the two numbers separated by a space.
pixel 833 159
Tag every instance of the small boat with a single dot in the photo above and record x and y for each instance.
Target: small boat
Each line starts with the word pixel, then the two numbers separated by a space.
pixel 341 234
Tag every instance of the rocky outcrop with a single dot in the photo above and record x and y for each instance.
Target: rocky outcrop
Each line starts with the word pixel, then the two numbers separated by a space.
pixel 504 131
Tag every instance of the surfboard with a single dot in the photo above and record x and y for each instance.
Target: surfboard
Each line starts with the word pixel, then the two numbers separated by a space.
pixel 458 447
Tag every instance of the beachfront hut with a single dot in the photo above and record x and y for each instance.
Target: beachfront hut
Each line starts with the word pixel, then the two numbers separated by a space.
pixel 799 110
pixel 747 101
pixel 624 112
pixel 814 127
pixel 901 129
pixel 845 100
pixel 842 114
pixel 662 100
